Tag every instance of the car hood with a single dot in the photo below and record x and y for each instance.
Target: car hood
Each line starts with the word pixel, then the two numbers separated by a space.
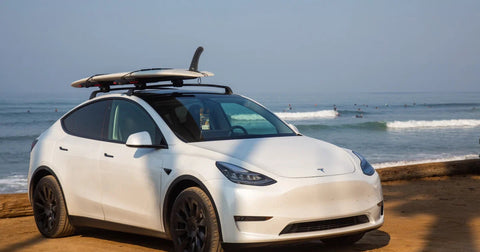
pixel 292 157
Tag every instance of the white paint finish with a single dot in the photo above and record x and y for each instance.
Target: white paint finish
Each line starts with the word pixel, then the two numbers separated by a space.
pixel 78 165
pixel 292 157
pixel 130 185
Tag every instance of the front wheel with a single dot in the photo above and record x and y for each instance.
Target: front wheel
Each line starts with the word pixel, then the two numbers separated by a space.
pixel 193 222
pixel 49 209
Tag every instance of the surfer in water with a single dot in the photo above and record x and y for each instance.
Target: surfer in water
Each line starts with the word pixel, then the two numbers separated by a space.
pixel 335 110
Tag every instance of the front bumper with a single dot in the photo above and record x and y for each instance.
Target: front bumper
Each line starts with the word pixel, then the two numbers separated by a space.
pixel 296 209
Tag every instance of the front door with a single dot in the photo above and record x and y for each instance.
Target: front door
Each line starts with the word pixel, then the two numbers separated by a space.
pixel 130 177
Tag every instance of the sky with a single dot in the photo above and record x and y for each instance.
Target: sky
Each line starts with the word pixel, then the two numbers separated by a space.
pixel 253 46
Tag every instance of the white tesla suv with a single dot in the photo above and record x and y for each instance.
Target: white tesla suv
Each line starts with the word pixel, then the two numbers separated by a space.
pixel 201 167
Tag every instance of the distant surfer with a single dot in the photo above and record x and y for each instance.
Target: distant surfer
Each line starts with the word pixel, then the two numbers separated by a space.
pixel 289 108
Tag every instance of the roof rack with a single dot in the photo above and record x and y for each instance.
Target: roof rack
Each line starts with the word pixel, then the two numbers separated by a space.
pixel 131 90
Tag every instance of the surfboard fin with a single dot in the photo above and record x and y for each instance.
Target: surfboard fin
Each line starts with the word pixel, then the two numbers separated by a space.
pixel 196 57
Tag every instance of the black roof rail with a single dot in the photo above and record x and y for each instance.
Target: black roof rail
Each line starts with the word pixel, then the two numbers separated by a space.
pixel 143 86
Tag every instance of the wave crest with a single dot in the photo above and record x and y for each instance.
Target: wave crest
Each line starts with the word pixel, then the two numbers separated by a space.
pixel 424 161
pixel 13 184
pixel 296 116
pixel 412 124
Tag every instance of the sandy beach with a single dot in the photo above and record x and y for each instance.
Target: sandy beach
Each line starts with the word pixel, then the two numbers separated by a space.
pixel 428 207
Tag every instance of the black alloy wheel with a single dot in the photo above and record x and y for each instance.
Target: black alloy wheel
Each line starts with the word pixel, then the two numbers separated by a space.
pixel 49 209
pixel 193 222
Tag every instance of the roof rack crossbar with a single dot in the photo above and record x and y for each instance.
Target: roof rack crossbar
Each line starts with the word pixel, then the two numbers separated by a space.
pixel 131 90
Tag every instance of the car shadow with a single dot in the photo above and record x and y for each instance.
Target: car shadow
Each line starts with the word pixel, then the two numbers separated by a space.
pixel 372 240
pixel 38 238
pixel 127 238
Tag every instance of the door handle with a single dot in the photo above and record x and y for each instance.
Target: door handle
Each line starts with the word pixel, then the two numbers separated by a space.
pixel 63 149
pixel 107 155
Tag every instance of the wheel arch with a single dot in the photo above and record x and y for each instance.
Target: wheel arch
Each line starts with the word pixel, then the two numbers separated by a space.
pixel 39 173
pixel 176 187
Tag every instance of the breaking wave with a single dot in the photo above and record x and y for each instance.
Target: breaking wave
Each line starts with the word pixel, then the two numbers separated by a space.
pixel 298 116
pixel 395 125
pixel 458 123
pixel 435 160
pixel 247 117
pixel 13 184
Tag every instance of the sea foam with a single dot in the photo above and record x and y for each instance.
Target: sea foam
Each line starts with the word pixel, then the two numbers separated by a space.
pixel 13 184
pixel 459 123
pixel 297 116
pixel 413 162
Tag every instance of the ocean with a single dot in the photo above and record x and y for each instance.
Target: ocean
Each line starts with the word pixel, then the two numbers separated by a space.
pixel 387 128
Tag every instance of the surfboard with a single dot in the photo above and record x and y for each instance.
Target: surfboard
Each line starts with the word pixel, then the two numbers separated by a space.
pixel 139 76
pixel 143 76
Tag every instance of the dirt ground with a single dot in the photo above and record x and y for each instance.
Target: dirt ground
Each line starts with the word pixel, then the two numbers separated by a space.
pixel 430 214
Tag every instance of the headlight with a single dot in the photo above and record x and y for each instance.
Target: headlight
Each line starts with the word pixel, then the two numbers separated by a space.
pixel 367 168
pixel 239 175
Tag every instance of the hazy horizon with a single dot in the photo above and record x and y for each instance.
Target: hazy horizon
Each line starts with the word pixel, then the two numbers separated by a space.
pixel 255 47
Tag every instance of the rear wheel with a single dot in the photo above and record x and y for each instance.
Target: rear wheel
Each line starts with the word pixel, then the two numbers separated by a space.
pixel 344 240
pixel 193 222
pixel 49 209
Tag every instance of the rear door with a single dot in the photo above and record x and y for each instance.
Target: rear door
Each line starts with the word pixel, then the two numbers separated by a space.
pixel 77 157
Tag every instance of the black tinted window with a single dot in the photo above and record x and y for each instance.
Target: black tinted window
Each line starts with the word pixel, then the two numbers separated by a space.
pixel 87 121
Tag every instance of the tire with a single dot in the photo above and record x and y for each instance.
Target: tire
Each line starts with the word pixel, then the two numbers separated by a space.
pixel 193 222
pixel 49 209
pixel 343 240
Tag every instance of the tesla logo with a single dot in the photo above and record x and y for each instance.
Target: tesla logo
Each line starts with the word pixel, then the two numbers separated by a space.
pixel 321 169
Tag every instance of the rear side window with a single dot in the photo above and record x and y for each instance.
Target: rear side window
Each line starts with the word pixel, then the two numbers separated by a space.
pixel 87 121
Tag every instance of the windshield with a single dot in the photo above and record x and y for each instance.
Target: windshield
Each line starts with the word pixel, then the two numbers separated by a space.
pixel 204 117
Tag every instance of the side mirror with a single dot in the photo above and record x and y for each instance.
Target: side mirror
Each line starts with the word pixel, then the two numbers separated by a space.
pixel 142 140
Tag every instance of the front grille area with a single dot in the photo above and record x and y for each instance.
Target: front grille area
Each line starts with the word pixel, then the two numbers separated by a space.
pixel 324 225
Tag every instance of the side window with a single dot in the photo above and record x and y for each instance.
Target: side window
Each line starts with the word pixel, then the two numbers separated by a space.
pixel 127 118
pixel 87 121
